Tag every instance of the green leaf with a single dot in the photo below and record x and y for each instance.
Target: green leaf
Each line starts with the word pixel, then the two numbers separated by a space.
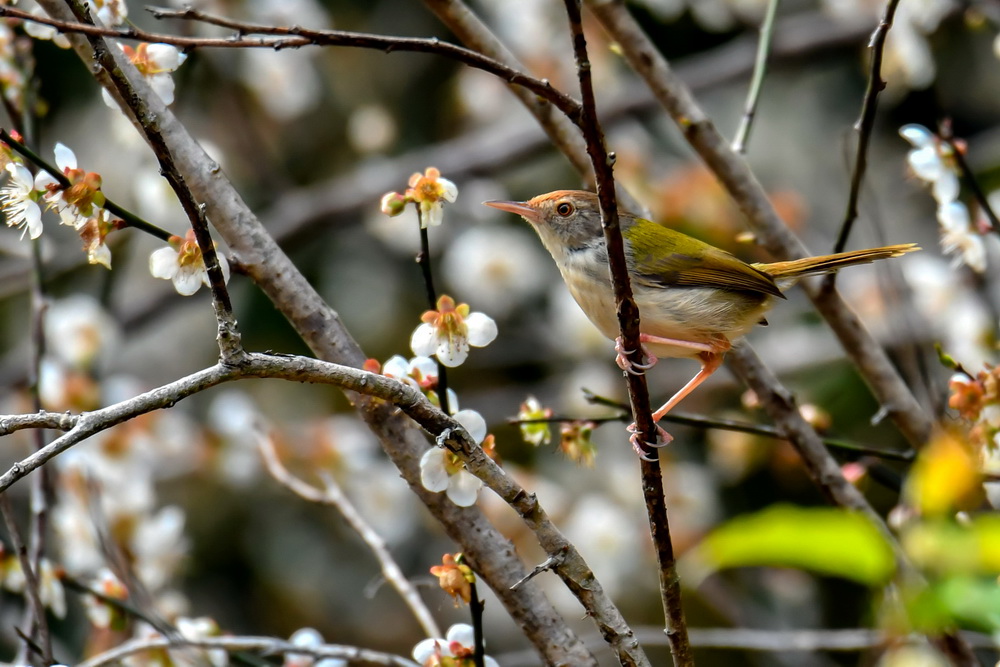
pixel 965 602
pixel 825 540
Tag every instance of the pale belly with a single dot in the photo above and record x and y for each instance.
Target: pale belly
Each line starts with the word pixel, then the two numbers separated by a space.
pixel 694 314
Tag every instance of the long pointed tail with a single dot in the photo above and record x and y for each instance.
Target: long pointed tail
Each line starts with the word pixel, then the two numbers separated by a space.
pixel 830 263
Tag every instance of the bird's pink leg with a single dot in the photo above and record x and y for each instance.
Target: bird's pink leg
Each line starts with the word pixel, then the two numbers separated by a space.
pixel 710 362
pixel 629 366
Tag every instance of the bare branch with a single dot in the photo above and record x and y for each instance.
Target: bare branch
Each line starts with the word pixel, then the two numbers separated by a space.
pixel 572 569
pixel 32 585
pixel 264 645
pixel 865 124
pixel 757 83
pixel 295 37
pixel 334 496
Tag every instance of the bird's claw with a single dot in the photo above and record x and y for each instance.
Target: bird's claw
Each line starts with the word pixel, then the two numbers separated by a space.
pixel 630 366
pixel 662 440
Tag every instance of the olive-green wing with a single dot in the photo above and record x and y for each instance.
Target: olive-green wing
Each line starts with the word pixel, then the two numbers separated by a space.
pixel 668 258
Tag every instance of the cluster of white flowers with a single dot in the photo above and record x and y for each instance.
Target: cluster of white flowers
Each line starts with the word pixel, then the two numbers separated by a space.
pixel 79 204
pixel 110 476
pixel 932 160
pixel 459 645
pixel 446 333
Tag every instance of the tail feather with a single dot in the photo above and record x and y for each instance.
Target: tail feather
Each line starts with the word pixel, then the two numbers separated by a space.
pixel 830 263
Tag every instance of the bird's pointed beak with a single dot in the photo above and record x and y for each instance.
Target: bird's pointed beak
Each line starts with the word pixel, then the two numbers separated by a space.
pixel 523 209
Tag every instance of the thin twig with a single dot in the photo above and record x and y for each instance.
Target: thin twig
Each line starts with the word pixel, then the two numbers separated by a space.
pixel 298 37
pixel 335 497
pixel 546 565
pixel 958 154
pixel 38 496
pixel 701 421
pixel 865 124
pixel 32 585
pixel 757 83
pixel 130 218
pixel 476 608
pixel 264 645
pixel 628 323
pixel 424 262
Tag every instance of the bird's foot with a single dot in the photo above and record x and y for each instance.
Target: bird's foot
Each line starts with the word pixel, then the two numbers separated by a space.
pixel 630 366
pixel 662 440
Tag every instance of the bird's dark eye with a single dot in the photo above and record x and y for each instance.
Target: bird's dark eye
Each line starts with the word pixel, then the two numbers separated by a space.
pixel 564 209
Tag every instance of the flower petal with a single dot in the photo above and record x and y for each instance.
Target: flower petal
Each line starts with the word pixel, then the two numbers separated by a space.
pixel 33 219
pixel 449 189
pixel 164 57
pixel 397 367
pixel 163 263
pixel 918 135
pixel 100 254
pixel 954 216
pixel 452 352
pixel 926 163
pixel 482 329
pixel 43 180
pixel 945 188
pixel 65 157
pixel 472 422
pixel 463 488
pixel 163 85
pixel 433 475
pixel 188 280
pixel 424 340
pixel 462 633
pixel 429 647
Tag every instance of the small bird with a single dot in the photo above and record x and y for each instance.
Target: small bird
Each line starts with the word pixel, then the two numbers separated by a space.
pixel 694 299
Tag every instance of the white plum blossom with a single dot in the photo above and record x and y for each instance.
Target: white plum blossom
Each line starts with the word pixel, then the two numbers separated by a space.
pixel 155 62
pixel 76 203
pixel 50 588
pixel 448 332
pixel 202 628
pixel 459 642
pixel 958 238
pixel 421 373
pixel 182 263
pixel 18 199
pixel 931 161
pixel 40 30
pixel 78 330
pixel 441 470
pixel 312 639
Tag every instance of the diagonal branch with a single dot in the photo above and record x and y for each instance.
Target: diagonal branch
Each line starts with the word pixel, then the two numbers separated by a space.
pixel 295 37
pixel 757 82
pixel 264 645
pixel 334 496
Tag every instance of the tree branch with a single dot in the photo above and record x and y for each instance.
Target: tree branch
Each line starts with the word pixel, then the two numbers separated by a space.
pixel 865 124
pixel 335 497
pixel 264 645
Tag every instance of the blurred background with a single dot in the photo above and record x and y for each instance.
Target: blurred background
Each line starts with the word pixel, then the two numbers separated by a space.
pixel 314 137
